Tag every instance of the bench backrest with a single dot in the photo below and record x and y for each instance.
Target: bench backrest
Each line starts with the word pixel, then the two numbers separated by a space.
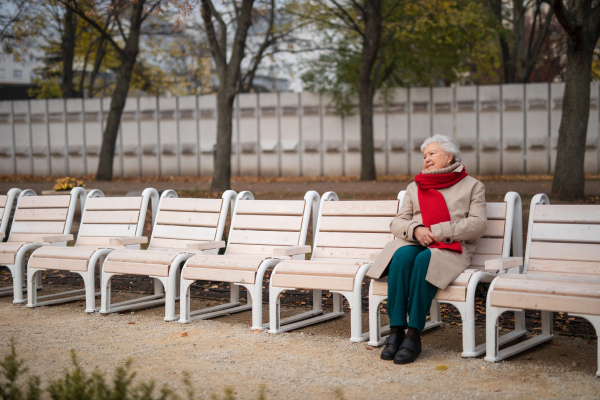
pixel 180 222
pixel 504 231
pixel 105 218
pixel 353 229
pixel 260 226
pixel 563 239
pixel 38 216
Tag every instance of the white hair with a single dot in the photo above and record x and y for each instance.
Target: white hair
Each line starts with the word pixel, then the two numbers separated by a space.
pixel 446 143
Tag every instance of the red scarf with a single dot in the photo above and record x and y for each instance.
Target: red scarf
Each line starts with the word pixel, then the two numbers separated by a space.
pixel 433 205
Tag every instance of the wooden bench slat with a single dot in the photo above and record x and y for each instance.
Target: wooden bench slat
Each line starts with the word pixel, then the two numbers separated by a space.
pixel 187 218
pixel 59 252
pixel 111 217
pixel 546 302
pixel 336 252
pixel 219 275
pixel 97 241
pixel 270 207
pixel 355 224
pixel 495 229
pixel 185 232
pixel 264 237
pixel 146 256
pixel 268 222
pixel 133 268
pixel 489 246
pixel 569 267
pixel 557 287
pixel 108 230
pixel 318 268
pixel 191 205
pixel 549 213
pixel 176 244
pixel 223 262
pixel 383 208
pixel 3 200
pixel 57 263
pixel 314 282
pixel 41 214
pixel 59 201
pixel 495 211
pixel 565 251
pixel 353 240
pixel 37 227
pixel 113 203
pixel 569 233
pixel 16 237
pixel 251 249
pixel 452 293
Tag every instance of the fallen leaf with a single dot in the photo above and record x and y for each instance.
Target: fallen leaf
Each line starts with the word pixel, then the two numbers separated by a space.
pixel 184 334
pixel 131 323
pixel 256 331
pixel 441 367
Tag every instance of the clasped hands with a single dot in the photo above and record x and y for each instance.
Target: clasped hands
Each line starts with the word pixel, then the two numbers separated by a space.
pixel 424 236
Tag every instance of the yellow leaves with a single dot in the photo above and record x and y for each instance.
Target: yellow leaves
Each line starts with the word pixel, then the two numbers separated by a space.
pixel 68 183
pixel 441 368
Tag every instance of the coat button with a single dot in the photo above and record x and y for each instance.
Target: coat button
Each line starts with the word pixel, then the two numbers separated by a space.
pixel 404 233
pixel 448 240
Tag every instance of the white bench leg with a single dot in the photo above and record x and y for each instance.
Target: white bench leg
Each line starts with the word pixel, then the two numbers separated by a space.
pixel 491 333
pixel 32 286
pixel 275 308
pixel 184 300
pixel 105 288
pixel 374 317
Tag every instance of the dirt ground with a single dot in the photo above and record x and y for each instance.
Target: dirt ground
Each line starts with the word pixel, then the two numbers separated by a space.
pixel 314 362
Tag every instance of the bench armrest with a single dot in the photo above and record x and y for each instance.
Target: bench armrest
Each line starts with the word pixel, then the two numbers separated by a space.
pixel 125 241
pixel 206 245
pixel 503 263
pixel 53 238
pixel 291 250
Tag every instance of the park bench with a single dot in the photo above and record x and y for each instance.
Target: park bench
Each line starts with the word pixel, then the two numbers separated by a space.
pixel 504 231
pixel 183 227
pixel 107 223
pixel 262 234
pixel 348 233
pixel 562 274
pixel 38 220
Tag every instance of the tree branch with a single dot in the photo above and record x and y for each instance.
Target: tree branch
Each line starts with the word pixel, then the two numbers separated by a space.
pixel 565 18
pixel 347 18
pixel 217 51
pixel 103 31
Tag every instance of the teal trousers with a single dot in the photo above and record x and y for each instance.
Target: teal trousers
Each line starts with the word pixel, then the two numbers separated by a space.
pixel 409 294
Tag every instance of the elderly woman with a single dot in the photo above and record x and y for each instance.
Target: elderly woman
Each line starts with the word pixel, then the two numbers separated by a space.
pixel 437 228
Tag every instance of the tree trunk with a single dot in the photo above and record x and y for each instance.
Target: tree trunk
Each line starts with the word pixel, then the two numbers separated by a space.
pixel 68 53
pixel 101 51
pixel 569 182
pixel 372 37
pixel 222 163
pixel 128 58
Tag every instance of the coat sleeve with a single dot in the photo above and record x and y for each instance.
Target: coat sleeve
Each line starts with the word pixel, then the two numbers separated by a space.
pixel 470 228
pixel 403 225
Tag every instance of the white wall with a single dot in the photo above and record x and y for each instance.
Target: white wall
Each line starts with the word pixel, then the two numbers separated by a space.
pixel 502 129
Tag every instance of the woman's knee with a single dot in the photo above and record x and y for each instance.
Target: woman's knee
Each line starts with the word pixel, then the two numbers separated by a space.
pixel 422 260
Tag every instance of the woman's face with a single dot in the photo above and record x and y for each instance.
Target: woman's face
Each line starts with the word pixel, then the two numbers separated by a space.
pixel 435 158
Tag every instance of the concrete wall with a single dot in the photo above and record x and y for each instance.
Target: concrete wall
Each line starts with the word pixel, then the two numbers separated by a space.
pixel 502 129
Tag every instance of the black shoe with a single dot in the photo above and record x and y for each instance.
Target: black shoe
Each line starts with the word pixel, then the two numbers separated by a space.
pixel 392 344
pixel 409 351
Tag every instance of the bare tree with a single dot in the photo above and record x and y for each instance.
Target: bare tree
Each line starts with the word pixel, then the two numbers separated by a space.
pixel 522 41
pixel 126 43
pixel 581 21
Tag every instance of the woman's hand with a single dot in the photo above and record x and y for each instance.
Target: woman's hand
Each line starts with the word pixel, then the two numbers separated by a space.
pixel 424 236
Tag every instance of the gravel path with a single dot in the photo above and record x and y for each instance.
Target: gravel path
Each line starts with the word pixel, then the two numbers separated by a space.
pixel 311 363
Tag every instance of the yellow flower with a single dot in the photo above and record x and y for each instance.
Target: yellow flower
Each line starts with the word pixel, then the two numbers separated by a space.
pixel 68 183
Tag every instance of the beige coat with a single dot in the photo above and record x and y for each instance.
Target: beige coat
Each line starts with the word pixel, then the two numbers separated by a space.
pixel 468 222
